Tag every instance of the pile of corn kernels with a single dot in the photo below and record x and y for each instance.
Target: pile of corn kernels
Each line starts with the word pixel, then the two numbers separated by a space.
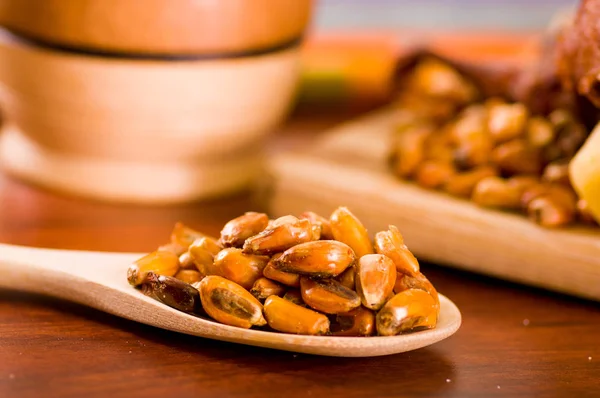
pixel 490 151
pixel 303 275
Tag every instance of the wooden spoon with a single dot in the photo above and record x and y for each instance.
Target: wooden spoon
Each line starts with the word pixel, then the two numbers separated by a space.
pixel 98 280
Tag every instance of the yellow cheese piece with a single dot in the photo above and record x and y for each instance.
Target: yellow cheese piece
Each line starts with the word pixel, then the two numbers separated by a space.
pixel 584 172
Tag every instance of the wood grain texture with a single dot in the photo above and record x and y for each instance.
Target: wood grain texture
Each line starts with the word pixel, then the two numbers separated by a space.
pixel 348 167
pixel 66 350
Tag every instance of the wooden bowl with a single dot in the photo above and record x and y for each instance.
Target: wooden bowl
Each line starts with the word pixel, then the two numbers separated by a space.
pixel 139 130
pixel 159 26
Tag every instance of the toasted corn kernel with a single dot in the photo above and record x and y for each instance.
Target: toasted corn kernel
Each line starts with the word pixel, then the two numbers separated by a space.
pixel 328 295
pixel 375 279
pixel 407 310
pixel 264 288
pixel 186 261
pixel 229 303
pixel 172 292
pixel 202 252
pixel 286 278
pixel 439 80
pixel 584 214
pixel 557 172
pixel 523 182
pixel 358 322
pixel 410 150
pixel 462 184
pixel 289 219
pixel 550 211
pixel 236 231
pixel 280 238
pixel 322 258
pixel 433 174
pixel 285 316
pixel 562 193
pixel 439 149
pixel 348 277
pixel 295 297
pixel 517 157
pixel 507 121
pixel 189 276
pixel 390 243
pixel 496 192
pixel 241 268
pixel 316 219
pixel 347 228
pixel 420 281
pixel 160 262
pixel 539 132
pixel 184 236
pixel 471 139
pixel 172 247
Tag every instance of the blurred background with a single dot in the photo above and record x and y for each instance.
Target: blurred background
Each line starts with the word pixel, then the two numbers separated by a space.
pixel 436 14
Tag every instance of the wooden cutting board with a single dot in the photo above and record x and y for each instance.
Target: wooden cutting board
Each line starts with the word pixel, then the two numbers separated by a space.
pixel 347 167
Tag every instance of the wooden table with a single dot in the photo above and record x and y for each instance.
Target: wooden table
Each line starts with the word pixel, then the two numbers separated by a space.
pixel 514 341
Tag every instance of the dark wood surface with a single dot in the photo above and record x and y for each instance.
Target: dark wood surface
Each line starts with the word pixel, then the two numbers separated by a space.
pixel 514 341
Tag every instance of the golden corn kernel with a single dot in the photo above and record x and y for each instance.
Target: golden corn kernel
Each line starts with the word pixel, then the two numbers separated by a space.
pixel 517 157
pixel 358 322
pixel 560 192
pixel 407 310
pixel 507 121
pixel 557 172
pixel 186 261
pixel 328 295
pixel 289 219
pixel 471 139
pixel 294 296
pixel 437 79
pixel 347 278
pixel 419 281
pixel 264 288
pixel 236 231
pixel 202 252
pixel 286 278
pixel 160 262
pixel 433 174
pixel 540 132
pixel 229 303
pixel 316 219
pixel 550 211
pixel 439 146
pixel 470 123
pixel 280 237
pixel 322 258
pixel 584 214
pixel 172 292
pixel 183 236
pixel 390 243
pixel 347 228
pixel 285 316
pixel 496 192
pixel 375 279
pixel 189 276
pixel 172 247
pixel 410 150
pixel 523 182
pixel 241 268
pixel 462 184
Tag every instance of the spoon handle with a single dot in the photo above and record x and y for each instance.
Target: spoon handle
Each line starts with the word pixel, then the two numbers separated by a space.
pixel 50 271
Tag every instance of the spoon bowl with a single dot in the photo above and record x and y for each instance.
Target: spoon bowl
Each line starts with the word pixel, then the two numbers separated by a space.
pixel 98 280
